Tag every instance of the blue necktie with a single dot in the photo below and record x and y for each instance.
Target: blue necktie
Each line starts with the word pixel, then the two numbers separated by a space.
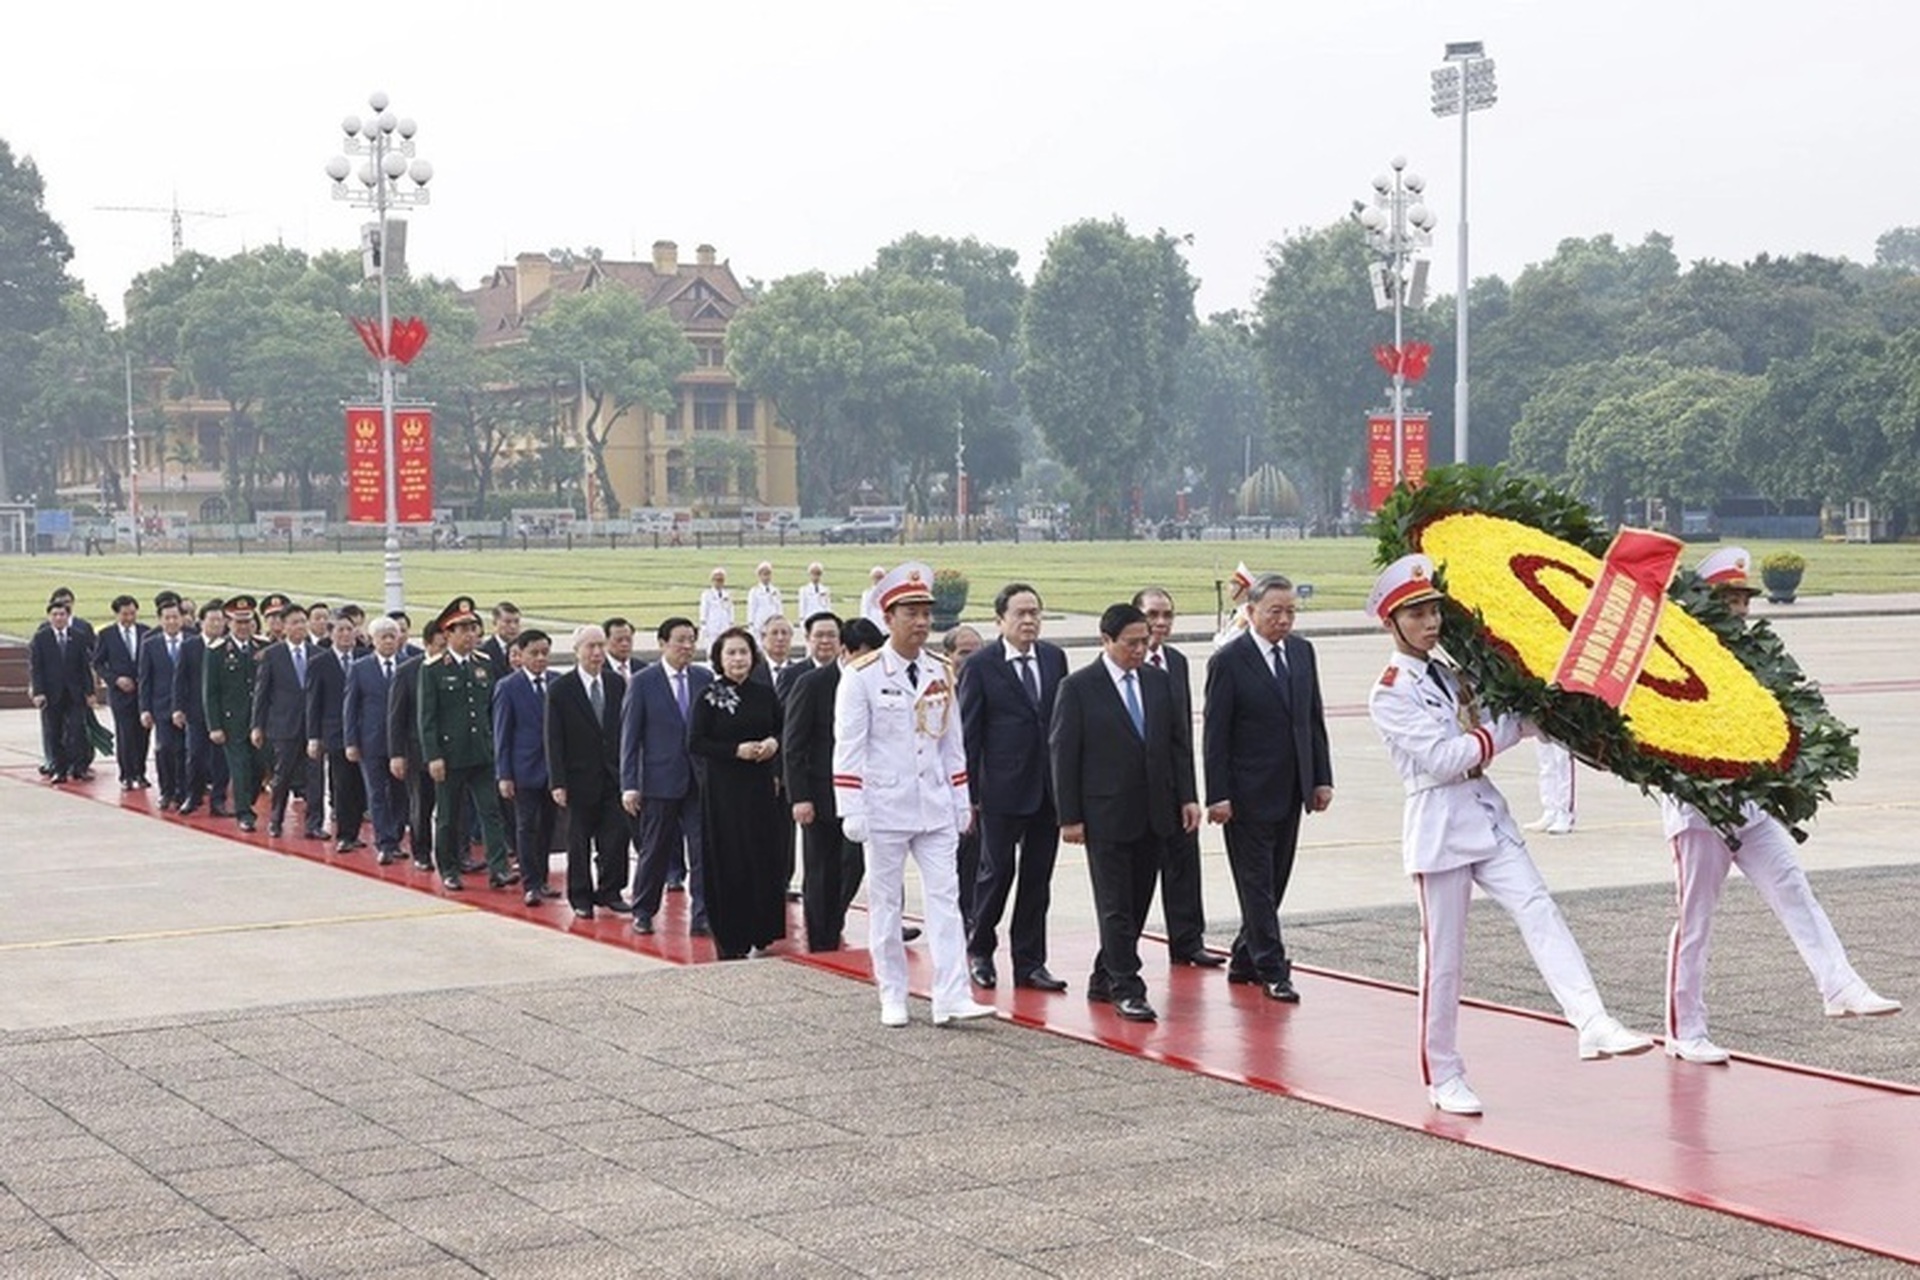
pixel 1133 705
pixel 300 664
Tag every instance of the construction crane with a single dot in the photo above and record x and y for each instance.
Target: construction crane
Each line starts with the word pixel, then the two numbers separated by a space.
pixel 175 213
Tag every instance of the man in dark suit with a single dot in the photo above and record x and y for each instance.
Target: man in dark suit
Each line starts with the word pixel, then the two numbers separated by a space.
pixel 60 679
pixel 1265 740
pixel 363 730
pixel 1123 784
pixel 206 780
pixel 1006 704
pixel 584 710
pixel 822 635
pixel 520 761
pixel 1181 897
pixel 159 657
pixel 403 744
pixel 806 754
pixel 326 734
pixel 620 659
pixel 116 656
pixel 279 724
pixel 657 783
pixel 497 649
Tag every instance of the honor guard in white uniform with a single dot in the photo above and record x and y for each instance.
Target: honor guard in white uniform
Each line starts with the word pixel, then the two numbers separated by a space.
pixel 716 609
pixel 763 599
pixel 1241 618
pixel 1556 790
pixel 815 597
pixel 1763 850
pixel 1457 832
pixel 900 784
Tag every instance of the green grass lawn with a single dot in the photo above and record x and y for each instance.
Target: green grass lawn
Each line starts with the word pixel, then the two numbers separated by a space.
pixel 646 585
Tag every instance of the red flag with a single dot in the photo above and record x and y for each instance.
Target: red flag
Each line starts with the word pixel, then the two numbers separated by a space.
pixel 1614 633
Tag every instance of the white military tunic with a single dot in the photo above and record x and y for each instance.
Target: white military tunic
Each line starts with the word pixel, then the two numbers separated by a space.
pixel 763 602
pixel 716 614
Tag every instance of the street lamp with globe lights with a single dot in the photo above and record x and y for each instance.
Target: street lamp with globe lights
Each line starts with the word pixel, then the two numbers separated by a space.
pixel 1399 228
pixel 389 178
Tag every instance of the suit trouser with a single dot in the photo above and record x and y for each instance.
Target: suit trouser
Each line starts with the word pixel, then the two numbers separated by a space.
pixel 824 893
pixel 449 846
pixel 207 772
pixel 347 792
pixel 1181 897
pixel 170 758
pixel 933 852
pixel 386 800
pixel 421 793
pixel 662 829
pixel 534 815
pixel 1701 860
pixel 243 772
pixel 1028 876
pixel 130 739
pixel 1261 855
pixel 1510 879
pixel 63 727
pixel 967 859
pixel 290 767
pixel 1123 872
pixel 597 839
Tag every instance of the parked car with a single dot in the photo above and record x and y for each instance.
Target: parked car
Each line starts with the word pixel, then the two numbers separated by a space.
pixel 863 529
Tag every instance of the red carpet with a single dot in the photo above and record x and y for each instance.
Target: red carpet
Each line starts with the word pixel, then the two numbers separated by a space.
pixel 1831 1156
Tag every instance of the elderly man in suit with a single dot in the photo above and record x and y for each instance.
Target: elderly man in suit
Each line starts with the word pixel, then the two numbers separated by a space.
pixel 60 679
pixel 1181 895
pixel 1123 785
pixel 405 761
pixel 1006 704
pixel 370 687
pixel 657 783
pixel 279 724
pixel 206 779
pixel 159 657
pixel 1265 736
pixel 583 768
pixel 520 761
pixel 326 732
pixel 116 656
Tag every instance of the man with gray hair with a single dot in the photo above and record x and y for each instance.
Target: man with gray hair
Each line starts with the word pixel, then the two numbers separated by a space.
pixel 1264 738
pixel 364 733
pixel 583 768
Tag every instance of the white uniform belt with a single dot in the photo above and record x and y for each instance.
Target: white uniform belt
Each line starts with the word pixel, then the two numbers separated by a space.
pixel 1427 782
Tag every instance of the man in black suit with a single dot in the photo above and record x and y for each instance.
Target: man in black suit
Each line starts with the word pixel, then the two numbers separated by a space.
pixel 583 771
pixel 403 740
pixel 806 754
pixel 822 632
pixel 497 649
pixel 326 734
pixel 60 679
pixel 159 657
pixel 370 688
pixel 116 656
pixel 279 724
pixel 1006 705
pixel 1123 785
pixel 206 780
pixel 1265 742
pixel 1181 897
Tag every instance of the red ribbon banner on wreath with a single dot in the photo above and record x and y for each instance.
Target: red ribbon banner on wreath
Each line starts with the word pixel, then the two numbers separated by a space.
pixel 1614 634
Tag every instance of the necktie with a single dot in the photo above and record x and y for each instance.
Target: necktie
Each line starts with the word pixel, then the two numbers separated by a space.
pixel 1027 678
pixel 300 664
pixel 1280 662
pixel 127 635
pixel 598 699
pixel 913 674
pixel 1433 669
pixel 173 649
pixel 680 692
pixel 540 685
pixel 1138 716
pixel 63 638
pixel 387 665
pixel 1156 660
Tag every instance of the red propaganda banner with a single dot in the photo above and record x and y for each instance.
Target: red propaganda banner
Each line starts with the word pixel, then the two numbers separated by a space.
pixel 1380 454
pixel 366 466
pixel 367 471
pixel 1615 631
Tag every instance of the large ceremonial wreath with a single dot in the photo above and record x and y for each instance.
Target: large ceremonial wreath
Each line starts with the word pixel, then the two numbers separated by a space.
pixel 1719 716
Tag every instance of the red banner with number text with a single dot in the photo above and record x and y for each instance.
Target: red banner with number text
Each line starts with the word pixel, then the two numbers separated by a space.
pixel 1614 633
pixel 367 470
pixel 1380 455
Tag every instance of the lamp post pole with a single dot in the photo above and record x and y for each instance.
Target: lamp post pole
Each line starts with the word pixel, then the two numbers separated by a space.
pixel 386 142
pixel 1463 88
pixel 1398 228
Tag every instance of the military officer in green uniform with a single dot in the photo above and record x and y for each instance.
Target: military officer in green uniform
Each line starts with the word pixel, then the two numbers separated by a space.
pixel 456 739
pixel 227 694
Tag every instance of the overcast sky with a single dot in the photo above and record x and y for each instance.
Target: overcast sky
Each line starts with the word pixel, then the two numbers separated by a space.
pixel 806 135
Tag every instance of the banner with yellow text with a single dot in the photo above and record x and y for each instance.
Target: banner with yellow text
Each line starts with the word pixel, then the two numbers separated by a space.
pixel 367 469
pixel 1614 633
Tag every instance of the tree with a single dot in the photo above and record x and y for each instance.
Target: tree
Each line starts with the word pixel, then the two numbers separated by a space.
pixel 34 284
pixel 1221 405
pixel 625 354
pixel 78 399
pixel 1672 440
pixel 1898 248
pixel 1828 423
pixel 1104 326
pixel 1566 396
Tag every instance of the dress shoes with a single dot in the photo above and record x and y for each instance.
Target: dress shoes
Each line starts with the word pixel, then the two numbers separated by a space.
pixel 347 846
pixel 545 892
pixel 980 972
pixel 386 857
pixel 1244 978
pixel 274 829
pixel 314 833
pixel 423 864
pixel 615 904
pixel 530 898
pixel 699 929
pixel 1135 1009
pixel 1200 960
pixel 583 913
pixel 219 811
pixel 503 882
pixel 1282 991
pixel 452 884
pixel 1040 980
pixel 1554 823
pixel 190 808
pixel 1454 1098
pixel 1099 993
pixel 1860 1001
pixel 676 886
pixel 793 895
pixel 1699 1049
pixel 642 923
pixel 468 866
pixel 893 1015
pixel 1604 1037
pixel 909 933
pixel 248 824
pixel 962 1012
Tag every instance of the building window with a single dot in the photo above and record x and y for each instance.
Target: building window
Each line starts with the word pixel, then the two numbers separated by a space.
pixel 712 355
pixel 743 414
pixel 710 413
pixel 676 474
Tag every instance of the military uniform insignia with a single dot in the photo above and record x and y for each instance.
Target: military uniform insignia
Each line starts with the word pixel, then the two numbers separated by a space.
pixel 1388 676
pixel 865 660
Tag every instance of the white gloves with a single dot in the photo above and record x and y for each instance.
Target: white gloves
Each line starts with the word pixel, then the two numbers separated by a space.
pixel 854 829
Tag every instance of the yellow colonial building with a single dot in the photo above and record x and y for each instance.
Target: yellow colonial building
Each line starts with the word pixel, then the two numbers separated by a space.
pixel 654 459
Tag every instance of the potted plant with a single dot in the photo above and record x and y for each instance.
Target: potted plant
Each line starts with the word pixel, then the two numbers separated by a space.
pixel 1781 573
pixel 949 596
